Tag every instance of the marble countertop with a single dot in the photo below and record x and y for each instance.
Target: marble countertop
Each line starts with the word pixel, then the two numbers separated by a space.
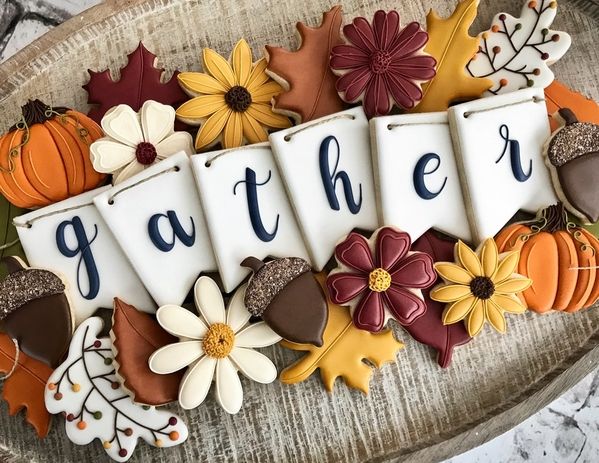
pixel 566 431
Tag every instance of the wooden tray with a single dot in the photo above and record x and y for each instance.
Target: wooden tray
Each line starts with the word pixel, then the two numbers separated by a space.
pixel 415 411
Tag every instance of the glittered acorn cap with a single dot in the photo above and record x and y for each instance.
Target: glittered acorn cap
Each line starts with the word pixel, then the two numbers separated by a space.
pixel 574 140
pixel 286 295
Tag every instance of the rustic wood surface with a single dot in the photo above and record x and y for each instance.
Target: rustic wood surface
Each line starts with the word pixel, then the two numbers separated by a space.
pixel 415 411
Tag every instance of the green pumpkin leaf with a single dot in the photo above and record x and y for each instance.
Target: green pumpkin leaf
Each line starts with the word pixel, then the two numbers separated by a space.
pixel 9 240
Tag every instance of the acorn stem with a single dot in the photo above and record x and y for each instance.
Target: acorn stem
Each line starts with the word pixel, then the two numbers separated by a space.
pixel 252 263
pixel 568 116
pixel 13 264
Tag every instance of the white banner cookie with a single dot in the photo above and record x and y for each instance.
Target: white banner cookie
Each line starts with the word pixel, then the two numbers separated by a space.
pixel 327 170
pixel 417 181
pixel 246 208
pixel 157 220
pixel 71 239
pixel 498 142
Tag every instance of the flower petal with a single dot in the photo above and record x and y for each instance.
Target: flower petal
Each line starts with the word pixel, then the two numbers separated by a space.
pixel 200 107
pixel 507 266
pixel 453 273
pixel 457 311
pixel 404 92
pixel 157 121
pixel 513 285
pixel 354 252
pixel 348 57
pixel 266 92
pixel 509 303
pixel 200 83
pixel 175 143
pixel 122 124
pixel 353 84
pixel 237 313
pixel 258 76
pixel 209 300
pixel 415 271
pixel 410 39
pixel 469 259
pixel 233 133
pixel 376 99
pixel 344 287
pixel 488 257
pixel 450 293
pixel 256 335
pixel 406 306
pixel 229 393
pixel 253 130
pixel 218 67
pixel 369 314
pixel 360 33
pixel 264 114
pixel 495 316
pixel 196 383
pixel 391 247
pixel 127 172
pixel 476 319
pixel 241 59
pixel 385 26
pixel 108 156
pixel 212 128
pixel 174 357
pixel 181 322
pixel 254 365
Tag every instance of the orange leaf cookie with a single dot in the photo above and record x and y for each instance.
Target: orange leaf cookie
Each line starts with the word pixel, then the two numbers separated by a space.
pixel 558 96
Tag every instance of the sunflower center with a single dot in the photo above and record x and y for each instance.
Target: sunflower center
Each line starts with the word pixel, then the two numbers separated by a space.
pixel 379 62
pixel 146 153
pixel 238 98
pixel 482 287
pixel 218 341
pixel 379 280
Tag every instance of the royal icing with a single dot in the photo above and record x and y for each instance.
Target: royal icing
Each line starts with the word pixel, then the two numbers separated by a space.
pixel 136 141
pixel 414 160
pixel 214 346
pixel 85 389
pixel 247 211
pixel 384 64
pixel 71 239
pixel 230 100
pixel 480 287
pixel 157 219
pixel 516 53
pixel 571 155
pixel 380 278
pixel 327 170
pixel 498 146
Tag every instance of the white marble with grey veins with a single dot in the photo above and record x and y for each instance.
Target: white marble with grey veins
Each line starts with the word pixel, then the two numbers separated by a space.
pixel 567 431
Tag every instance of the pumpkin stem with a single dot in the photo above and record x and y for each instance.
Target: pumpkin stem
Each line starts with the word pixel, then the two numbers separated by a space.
pixel 556 218
pixel 37 112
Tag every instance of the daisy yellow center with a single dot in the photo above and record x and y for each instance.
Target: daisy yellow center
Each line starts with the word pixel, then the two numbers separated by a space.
pixel 379 62
pixel 146 153
pixel 238 98
pixel 379 280
pixel 218 341
pixel 482 287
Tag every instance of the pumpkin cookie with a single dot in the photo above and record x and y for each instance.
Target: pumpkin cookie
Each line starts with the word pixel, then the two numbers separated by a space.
pixel 231 100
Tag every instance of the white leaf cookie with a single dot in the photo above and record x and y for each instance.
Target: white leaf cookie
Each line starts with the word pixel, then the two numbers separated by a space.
pixel 96 406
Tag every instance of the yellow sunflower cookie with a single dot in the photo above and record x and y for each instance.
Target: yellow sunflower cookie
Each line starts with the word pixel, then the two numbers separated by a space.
pixel 231 99
pixel 480 286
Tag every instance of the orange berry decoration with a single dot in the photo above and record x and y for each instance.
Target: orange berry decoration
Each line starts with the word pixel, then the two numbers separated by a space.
pixel 532 4
pixel 76 387
pixel 106 444
pixel 81 425
pixel 51 386
pixel 173 435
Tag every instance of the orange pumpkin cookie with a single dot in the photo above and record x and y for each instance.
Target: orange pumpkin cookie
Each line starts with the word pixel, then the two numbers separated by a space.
pixel 45 157
pixel 560 259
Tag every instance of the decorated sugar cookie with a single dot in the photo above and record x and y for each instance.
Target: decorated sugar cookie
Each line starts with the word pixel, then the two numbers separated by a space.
pixel 380 278
pixel 308 83
pixel 383 65
pixel 44 157
pixel 215 345
pixel 516 52
pixel 35 311
pixel 95 406
pixel 560 258
pixel 140 81
pixel 136 141
pixel 572 155
pixel 286 295
pixel 480 287
pixel 558 96
pixel 230 100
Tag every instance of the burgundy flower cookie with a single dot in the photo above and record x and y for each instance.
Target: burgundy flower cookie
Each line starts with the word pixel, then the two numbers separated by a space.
pixel 381 278
pixel 383 64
